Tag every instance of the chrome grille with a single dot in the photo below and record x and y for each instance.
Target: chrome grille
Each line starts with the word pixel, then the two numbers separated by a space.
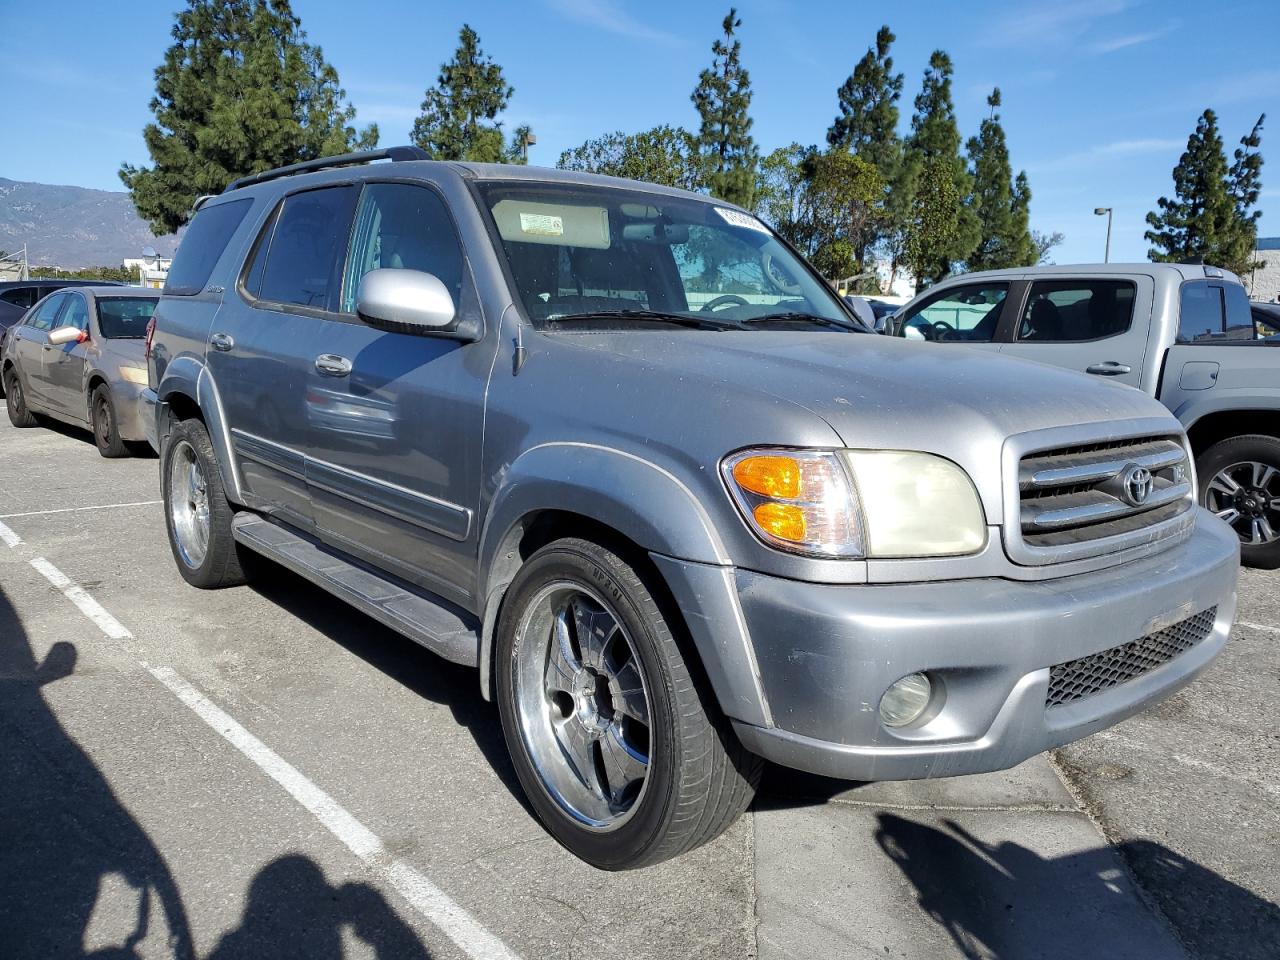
pixel 1077 679
pixel 1075 494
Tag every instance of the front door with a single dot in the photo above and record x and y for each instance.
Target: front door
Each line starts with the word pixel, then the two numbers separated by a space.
pixel 31 341
pixel 64 364
pixel 395 420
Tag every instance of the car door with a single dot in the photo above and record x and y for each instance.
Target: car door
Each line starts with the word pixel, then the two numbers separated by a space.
pixel 28 347
pixel 64 363
pixel 1214 315
pixel 1098 325
pixel 395 419
pixel 263 338
pixel 968 313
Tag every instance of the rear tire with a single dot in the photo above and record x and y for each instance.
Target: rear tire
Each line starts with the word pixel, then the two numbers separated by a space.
pixel 16 400
pixel 102 420
pixel 197 514
pixel 644 791
pixel 1240 482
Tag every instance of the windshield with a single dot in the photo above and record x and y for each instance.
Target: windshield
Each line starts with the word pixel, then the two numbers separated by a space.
pixel 625 257
pixel 125 318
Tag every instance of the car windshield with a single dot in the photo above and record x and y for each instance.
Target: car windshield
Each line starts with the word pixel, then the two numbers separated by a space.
pixel 592 255
pixel 125 318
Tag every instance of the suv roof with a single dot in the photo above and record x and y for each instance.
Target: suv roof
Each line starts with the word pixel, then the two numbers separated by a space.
pixel 56 282
pixel 1183 271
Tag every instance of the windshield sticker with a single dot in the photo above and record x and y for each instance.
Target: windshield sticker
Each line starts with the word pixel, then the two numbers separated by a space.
pixel 541 225
pixel 736 218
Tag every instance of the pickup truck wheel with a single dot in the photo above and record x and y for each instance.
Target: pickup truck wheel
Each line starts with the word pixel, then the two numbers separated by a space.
pixel 608 730
pixel 1240 483
pixel 106 432
pixel 196 510
pixel 16 400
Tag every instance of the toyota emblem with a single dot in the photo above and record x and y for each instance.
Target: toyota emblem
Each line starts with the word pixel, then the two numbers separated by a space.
pixel 1137 483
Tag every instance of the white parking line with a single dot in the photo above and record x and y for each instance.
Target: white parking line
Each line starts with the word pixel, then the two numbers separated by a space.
pixel 103 506
pixel 1258 626
pixel 470 936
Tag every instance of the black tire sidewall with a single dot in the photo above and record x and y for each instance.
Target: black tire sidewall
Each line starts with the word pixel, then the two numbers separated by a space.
pixel 20 414
pixel 114 446
pixel 1259 447
pixel 623 846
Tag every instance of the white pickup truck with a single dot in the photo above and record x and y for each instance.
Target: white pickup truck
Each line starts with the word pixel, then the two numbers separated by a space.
pixel 1181 333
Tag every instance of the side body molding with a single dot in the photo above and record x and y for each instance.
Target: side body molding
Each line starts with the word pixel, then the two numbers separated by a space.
pixel 188 376
pixel 653 508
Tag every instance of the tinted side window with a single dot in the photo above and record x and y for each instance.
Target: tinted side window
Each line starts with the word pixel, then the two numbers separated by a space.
pixel 1065 311
pixel 1202 312
pixel 968 313
pixel 1239 315
pixel 205 239
pixel 304 261
pixel 43 318
pixel 76 314
pixel 20 297
pixel 402 227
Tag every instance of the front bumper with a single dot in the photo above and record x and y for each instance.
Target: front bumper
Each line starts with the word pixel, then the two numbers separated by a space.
pixel 825 655
pixel 148 408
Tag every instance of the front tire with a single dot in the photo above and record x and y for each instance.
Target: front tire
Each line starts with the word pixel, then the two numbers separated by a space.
pixel 197 514
pixel 16 400
pixel 102 420
pixel 612 738
pixel 1240 483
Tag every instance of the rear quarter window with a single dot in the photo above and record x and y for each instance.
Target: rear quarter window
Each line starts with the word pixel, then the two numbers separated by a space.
pixel 206 238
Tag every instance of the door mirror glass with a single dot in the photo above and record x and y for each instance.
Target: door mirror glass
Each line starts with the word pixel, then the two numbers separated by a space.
pixel 66 335
pixel 405 301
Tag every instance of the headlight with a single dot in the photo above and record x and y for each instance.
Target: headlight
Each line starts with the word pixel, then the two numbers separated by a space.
pixel 857 503
pixel 136 375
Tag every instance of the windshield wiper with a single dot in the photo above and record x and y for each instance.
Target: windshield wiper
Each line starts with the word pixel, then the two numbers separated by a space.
pixel 656 316
pixel 797 317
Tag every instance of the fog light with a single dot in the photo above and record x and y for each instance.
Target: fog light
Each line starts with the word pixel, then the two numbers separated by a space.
pixel 906 700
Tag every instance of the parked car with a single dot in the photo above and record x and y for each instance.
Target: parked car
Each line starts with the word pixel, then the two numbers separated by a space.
pixel 77 357
pixel 19 296
pixel 1266 319
pixel 513 414
pixel 1173 331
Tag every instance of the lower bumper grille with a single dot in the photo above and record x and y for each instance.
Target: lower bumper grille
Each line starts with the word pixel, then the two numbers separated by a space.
pixel 1077 679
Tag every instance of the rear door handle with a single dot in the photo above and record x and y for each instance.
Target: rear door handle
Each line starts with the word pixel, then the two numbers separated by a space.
pixel 1109 368
pixel 331 365
pixel 221 341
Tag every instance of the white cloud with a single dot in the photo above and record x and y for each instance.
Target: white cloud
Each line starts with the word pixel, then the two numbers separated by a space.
pixel 1109 151
pixel 610 16
pixel 1029 22
pixel 1112 44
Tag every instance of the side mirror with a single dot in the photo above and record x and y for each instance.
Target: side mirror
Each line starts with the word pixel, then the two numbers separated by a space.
pixel 67 335
pixel 405 301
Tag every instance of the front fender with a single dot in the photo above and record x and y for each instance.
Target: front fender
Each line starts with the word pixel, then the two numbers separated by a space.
pixel 187 376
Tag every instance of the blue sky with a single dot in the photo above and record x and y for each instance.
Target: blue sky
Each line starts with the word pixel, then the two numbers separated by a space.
pixel 1099 95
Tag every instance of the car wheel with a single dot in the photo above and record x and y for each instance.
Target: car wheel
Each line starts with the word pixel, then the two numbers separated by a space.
pixel 617 747
pixel 102 418
pixel 197 514
pixel 1240 483
pixel 16 400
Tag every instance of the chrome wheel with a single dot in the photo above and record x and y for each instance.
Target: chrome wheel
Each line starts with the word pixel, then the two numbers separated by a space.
pixel 582 704
pixel 188 505
pixel 1247 496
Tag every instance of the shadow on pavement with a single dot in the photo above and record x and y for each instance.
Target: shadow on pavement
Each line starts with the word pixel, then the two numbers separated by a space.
pixel 1003 901
pixel 73 857
pixel 137 448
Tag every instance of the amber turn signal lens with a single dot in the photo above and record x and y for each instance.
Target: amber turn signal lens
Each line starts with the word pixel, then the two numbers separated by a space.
pixel 768 476
pixel 782 520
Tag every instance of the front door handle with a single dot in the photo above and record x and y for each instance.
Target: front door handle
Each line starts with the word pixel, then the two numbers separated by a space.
pixel 1109 368
pixel 221 341
pixel 331 365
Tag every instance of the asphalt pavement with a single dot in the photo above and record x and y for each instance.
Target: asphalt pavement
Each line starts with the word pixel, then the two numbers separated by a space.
pixel 263 772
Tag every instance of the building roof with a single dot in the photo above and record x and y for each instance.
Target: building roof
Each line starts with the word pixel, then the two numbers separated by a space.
pixel 1268 243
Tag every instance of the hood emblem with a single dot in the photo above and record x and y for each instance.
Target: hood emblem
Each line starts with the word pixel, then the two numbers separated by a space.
pixel 1136 482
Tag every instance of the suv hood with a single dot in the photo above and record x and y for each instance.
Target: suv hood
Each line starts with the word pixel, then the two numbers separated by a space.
pixel 884 393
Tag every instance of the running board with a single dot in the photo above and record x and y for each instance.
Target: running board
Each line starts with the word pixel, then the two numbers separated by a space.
pixel 438 625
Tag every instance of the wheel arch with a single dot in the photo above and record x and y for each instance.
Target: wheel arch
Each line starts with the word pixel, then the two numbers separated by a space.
pixel 186 391
pixel 1214 426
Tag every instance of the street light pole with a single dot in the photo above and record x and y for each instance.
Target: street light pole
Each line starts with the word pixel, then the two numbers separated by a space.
pixel 1106 256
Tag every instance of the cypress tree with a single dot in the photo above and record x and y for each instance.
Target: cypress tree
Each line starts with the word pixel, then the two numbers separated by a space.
pixel 934 145
pixel 723 100
pixel 1200 220
pixel 1244 185
pixel 239 91
pixel 457 119
pixel 1002 207
pixel 868 102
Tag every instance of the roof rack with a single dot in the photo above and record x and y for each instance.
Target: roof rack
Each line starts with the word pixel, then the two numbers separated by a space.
pixel 324 163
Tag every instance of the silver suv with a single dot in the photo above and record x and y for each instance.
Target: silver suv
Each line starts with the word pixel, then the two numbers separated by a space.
pixel 619 448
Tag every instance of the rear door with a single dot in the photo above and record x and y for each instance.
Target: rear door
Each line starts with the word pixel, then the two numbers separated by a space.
pixel 1098 325
pixel 1218 346
pixel 30 341
pixel 64 364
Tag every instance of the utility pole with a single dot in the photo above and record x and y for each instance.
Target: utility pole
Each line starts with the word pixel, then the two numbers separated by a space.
pixel 1106 256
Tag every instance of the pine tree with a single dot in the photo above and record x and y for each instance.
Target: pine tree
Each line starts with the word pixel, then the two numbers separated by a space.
pixel 1200 221
pixel 868 101
pixel 933 223
pixel 1002 207
pixel 934 145
pixel 1244 185
pixel 723 100
pixel 239 91
pixel 457 119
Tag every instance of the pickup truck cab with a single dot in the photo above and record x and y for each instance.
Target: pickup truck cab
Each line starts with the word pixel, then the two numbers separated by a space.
pixel 621 450
pixel 1183 334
